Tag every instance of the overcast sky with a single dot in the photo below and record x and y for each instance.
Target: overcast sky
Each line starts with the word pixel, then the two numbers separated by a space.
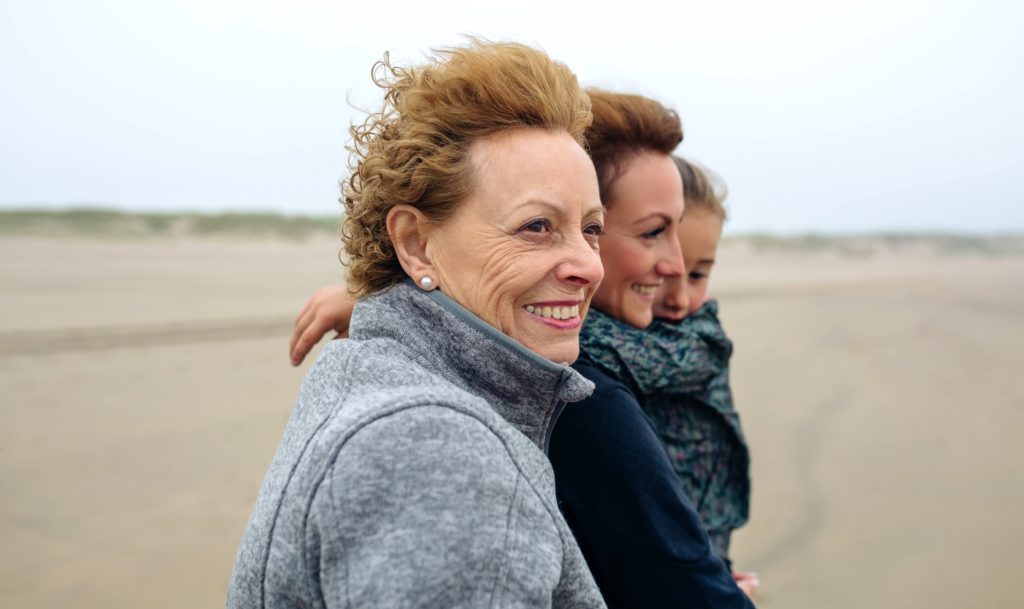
pixel 823 116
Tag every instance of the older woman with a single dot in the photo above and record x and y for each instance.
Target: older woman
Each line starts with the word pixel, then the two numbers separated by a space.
pixel 412 471
pixel 638 529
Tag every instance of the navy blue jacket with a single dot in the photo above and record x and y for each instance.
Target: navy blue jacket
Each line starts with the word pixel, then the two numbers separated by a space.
pixel 642 538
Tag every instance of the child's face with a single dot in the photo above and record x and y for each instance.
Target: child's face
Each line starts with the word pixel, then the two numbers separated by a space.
pixel 699 233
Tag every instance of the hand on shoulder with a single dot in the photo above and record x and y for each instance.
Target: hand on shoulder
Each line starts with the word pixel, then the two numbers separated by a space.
pixel 330 308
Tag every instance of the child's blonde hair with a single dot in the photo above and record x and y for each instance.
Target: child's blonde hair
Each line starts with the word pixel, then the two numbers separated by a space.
pixel 702 188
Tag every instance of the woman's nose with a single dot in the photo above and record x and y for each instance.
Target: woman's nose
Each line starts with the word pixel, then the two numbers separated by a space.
pixel 582 265
pixel 677 296
pixel 671 263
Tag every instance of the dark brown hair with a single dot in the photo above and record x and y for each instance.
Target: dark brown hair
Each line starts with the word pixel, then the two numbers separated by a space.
pixel 624 127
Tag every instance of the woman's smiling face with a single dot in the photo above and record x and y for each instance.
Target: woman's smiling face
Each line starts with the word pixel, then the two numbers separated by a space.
pixel 640 248
pixel 521 252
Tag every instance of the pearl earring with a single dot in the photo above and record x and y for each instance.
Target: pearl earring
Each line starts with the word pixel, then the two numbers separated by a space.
pixel 426 282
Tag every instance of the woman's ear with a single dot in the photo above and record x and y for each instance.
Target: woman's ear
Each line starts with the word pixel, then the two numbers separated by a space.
pixel 408 229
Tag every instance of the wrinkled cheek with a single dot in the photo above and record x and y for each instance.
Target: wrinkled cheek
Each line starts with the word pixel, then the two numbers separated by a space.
pixel 489 297
pixel 500 289
pixel 506 311
pixel 463 277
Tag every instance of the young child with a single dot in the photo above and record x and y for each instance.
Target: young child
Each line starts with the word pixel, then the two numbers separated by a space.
pixel 696 421
pixel 682 383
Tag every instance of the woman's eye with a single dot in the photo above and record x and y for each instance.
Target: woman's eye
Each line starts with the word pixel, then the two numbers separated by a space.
pixel 537 226
pixel 653 234
pixel 595 230
pixel 695 276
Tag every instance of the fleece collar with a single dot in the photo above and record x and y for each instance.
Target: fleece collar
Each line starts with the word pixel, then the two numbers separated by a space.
pixel 446 338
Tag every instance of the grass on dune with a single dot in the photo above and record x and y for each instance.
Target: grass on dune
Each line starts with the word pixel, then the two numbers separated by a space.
pixel 95 222
pixel 108 223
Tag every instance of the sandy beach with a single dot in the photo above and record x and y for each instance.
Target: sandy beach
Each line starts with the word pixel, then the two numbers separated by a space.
pixel 145 384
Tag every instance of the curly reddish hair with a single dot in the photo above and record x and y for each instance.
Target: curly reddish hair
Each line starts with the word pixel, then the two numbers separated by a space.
pixel 414 150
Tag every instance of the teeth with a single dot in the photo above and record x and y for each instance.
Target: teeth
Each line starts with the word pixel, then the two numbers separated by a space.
pixel 647 290
pixel 555 312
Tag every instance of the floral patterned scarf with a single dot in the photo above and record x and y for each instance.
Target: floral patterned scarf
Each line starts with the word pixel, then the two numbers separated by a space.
pixel 679 373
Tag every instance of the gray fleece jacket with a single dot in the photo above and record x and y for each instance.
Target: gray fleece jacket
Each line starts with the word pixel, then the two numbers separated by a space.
pixel 413 473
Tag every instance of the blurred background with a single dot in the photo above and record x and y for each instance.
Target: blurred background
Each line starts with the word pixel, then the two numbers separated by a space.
pixel 168 201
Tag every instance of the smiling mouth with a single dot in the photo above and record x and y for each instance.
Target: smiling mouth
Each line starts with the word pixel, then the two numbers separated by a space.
pixel 645 289
pixel 555 312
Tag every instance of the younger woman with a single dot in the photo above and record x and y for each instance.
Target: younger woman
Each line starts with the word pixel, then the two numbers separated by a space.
pixel 639 531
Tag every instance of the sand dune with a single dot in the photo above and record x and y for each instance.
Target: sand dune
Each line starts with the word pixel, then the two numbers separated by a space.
pixel 145 384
